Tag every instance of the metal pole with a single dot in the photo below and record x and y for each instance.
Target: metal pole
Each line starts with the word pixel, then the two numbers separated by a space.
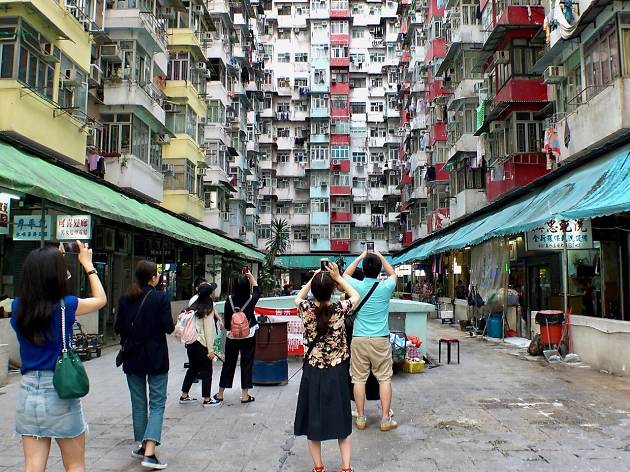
pixel 42 224
pixel 565 270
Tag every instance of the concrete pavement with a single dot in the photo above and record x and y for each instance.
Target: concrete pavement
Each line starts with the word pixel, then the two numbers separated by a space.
pixel 496 411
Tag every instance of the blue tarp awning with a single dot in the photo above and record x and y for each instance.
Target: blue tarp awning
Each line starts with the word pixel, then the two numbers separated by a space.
pixel 600 188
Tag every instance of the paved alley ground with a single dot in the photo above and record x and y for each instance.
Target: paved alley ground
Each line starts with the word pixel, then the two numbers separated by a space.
pixel 496 411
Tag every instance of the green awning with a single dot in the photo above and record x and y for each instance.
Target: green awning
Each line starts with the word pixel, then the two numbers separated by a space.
pixel 28 174
pixel 306 261
pixel 599 188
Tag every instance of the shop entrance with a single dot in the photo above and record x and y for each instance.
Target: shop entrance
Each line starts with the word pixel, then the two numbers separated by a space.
pixel 539 287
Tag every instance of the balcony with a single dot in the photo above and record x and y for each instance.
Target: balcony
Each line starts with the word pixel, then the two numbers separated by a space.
pixel 376 117
pixel 183 146
pixel 436 49
pixel 184 203
pixel 340 62
pixel 407 239
pixel 320 113
pixel 465 143
pixel 339 88
pixel 319 218
pixel 300 219
pixel 186 38
pixel 217 220
pixel 518 170
pixel 318 138
pixel 466 34
pixel 340 190
pixel 436 89
pixel 340 245
pixel 39 122
pixel 320 244
pixel 186 90
pixel 588 130
pixel 340 165
pixel 135 175
pixel 340 112
pixel 437 133
pixel 466 202
pixel 392 191
pixel 340 216
pixel 152 30
pixel 521 91
pixel 63 21
pixel 438 219
pixel 128 93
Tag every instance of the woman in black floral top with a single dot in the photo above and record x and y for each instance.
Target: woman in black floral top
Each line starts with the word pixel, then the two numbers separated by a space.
pixel 323 410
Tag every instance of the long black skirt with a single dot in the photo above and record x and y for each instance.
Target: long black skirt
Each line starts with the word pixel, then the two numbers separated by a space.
pixel 323 409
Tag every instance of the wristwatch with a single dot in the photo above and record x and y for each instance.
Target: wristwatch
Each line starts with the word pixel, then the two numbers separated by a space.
pixel 93 271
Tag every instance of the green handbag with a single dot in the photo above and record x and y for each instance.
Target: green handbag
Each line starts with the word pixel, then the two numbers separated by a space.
pixel 70 379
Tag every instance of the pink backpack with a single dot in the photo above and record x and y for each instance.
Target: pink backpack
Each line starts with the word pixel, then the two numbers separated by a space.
pixel 186 327
pixel 239 326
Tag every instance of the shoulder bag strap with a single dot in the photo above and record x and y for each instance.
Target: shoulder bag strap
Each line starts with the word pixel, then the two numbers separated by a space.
pixel 64 345
pixel 135 320
pixel 231 302
pixel 365 299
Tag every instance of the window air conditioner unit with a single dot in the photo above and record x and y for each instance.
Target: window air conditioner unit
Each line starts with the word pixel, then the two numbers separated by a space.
pixel 197 10
pixel 110 52
pixel 201 66
pixel 70 78
pixel 496 126
pixel 553 75
pixel 323 184
pixel 336 162
pixel 502 57
pixel 169 107
pixel 48 53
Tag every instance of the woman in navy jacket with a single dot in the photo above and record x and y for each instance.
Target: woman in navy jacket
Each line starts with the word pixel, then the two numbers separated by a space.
pixel 144 319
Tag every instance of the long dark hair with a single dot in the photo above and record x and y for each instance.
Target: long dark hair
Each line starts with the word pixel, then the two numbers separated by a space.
pixel 323 287
pixel 204 304
pixel 44 283
pixel 145 271
pixel 242 288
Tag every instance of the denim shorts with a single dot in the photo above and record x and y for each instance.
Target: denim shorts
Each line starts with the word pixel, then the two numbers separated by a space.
pixel 41 413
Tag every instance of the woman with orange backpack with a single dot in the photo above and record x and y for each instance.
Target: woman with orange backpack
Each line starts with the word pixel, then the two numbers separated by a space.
pixel 241 326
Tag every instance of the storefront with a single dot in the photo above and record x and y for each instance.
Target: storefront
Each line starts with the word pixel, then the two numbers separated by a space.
pixel 561 243
pixel 43 204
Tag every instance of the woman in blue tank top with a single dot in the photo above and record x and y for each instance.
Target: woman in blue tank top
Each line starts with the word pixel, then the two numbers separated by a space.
pixel 36 318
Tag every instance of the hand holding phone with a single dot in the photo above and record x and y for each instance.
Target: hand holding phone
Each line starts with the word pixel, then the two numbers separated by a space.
pixel 323 264
pixel 245 270
pixel 369 246
pixel 70 247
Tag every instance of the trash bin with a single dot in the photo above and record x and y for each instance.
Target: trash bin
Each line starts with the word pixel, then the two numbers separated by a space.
pixel 550 322
pixel 495 325
pixel 271 366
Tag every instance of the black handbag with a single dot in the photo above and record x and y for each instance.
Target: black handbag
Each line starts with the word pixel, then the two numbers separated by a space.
pixel 120 357
pixel 350 318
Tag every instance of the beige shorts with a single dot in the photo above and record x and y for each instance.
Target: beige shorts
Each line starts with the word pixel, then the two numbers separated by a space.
pixel 371 354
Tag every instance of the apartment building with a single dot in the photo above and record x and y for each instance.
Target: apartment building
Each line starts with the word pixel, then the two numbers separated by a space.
pixel 330 124
pixel 158 99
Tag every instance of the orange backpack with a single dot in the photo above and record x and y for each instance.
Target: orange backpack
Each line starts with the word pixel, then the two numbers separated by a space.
pixel 239 326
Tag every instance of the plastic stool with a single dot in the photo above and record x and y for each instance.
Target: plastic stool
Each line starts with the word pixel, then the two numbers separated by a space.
pixel 448 342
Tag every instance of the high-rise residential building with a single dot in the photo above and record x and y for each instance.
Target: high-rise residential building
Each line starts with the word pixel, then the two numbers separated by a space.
pixel 330 124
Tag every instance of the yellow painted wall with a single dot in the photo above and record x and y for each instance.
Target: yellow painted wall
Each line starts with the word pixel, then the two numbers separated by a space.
pixel 184 89
pixel 26 113
pixel 185 39
pixel 50 17
pixel 183 147
pixel 182 203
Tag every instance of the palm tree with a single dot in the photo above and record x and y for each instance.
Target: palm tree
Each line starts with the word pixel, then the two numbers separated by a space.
pixel 276 246
pixel 279 242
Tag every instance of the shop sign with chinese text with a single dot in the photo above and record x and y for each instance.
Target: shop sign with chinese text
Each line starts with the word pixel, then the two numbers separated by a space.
pixel 74 227
pixel 29 228
pixel 550 236
pixel 5 211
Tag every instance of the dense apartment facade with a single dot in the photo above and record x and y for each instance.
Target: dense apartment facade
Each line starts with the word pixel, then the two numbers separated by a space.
pixel 330 125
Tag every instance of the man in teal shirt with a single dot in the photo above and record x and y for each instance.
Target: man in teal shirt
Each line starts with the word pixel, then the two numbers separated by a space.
pixel 371 350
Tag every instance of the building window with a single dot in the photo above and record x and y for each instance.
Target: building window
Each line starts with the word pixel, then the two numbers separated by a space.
pixel 359 157
pixel 319 232
pixel 340 152
pixel 340 231
pixel 300 208
pixel 359 234
pixel 378 234
pixel 339 52
pixel 284 184
pixel 339 102
pixel 183 176
pixel 284 10
pixel 284 57
pixel 320 103
pixel 340 180
pixel 377 107
pixel 284 132
pixel 377 57
pixel 319 180
pixel 357 33
pixel 284 157
pixel 359 209
pixel 284 34
pixel 301 57
pixel 264 232
pixel 319 205
pixel 357 108
pixel 300 234
pixel 601 59
pixel 264 206
pixel 338 27
pixel 358 183
pixel 282 208
pixel 319 153
pixel 216 111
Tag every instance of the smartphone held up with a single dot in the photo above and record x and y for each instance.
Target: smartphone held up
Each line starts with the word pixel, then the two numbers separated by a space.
pixel 369 246
pixel 323 264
